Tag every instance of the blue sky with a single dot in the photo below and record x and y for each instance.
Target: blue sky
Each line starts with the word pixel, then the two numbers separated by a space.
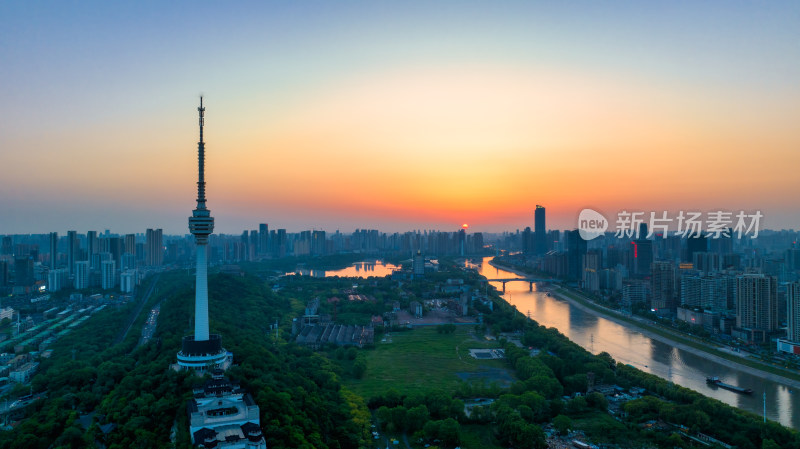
pixel 96 113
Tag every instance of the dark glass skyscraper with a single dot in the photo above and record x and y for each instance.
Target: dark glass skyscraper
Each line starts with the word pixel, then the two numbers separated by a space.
pixel 72 250
pixel 695 244
pixel 576 251
pixel 539 231
pixel 53 250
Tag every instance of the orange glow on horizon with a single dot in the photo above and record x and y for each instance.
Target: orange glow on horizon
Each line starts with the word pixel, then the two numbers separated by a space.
pixel 443 145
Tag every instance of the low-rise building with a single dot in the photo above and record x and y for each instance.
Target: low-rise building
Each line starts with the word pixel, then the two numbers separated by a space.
pixel 24 373
pixel 224 416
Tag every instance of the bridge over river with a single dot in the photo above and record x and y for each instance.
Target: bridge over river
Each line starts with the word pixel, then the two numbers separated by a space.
pixel 530 281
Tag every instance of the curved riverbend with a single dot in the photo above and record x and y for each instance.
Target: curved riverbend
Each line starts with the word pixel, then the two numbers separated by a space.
pixel 686 366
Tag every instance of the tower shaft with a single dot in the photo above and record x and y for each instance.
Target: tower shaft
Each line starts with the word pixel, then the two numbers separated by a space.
pixel 201 225
pixel 201 296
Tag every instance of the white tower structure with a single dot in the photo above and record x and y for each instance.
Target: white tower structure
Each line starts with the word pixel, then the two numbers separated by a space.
pixel 202 351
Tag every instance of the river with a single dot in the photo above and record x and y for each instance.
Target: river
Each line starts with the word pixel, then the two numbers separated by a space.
pixel 684 368
pixel 357 270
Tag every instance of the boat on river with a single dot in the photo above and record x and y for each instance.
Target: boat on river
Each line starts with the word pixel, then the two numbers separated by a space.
pixel 719 383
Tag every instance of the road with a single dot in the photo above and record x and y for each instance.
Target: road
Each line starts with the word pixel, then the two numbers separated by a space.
pixel 138 311
pixel 149 326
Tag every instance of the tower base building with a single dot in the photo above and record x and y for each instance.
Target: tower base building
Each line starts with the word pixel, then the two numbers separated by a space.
pixel 205 355
pixel 224 416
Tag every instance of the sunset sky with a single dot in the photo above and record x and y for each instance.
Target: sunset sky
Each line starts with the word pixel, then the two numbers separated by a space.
pixel 395 115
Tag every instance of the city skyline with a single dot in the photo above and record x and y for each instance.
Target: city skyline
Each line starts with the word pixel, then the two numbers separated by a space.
pixel 395 118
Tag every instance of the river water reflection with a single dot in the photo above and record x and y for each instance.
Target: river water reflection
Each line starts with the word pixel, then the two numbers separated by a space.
pixel 628 346
pixel 356 270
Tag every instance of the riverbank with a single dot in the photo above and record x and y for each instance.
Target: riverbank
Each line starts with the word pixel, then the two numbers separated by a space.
pixel 751 367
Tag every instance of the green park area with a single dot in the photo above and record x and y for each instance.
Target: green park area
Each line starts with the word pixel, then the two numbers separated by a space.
pixel 424 359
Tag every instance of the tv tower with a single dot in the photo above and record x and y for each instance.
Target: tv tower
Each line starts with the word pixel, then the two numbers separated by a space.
pixel 201 225
pixel 203 350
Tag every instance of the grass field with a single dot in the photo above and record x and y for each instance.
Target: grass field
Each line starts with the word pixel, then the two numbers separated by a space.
pixel 478 436
pixel 422 360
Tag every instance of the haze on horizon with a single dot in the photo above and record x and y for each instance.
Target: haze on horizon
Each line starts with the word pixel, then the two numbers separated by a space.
pixel 395 116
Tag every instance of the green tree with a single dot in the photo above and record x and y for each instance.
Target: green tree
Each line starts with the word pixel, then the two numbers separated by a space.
pixel 576 383
pixel 531 436
pixel 562 424
pixel 450 432
pixel 384 415
pixel 576 405
pixel 417 417
pixel 597 400
pixel 359 367
pixel 399 417
pixel 431 429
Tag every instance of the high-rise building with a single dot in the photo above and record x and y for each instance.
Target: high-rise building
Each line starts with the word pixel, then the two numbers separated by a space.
pixel 127 281
pixel 263 239
pixel 319 243
pixel 7 245
pixel 634 291
pixel 539 231
pixel 202 351
pixel 57 279
pixel 691 287
pixel 281 243
pixel 695 244
pixel 128 261
pixel 477 242
pixel 72 251
pixel 4 276
pixel 245 244
pixel 706 261
pixel 141 249
pixel 642 256
pixel 255 250
pixel 418 265
pixel 53 250
pixel 155 247
pixel 663 291
pixel 792 258
pixel 91 244
pixel 642 231
pixel 130 244
pixel 756 306
pixel 81 280
pixel 526 241
pixel 576 250
pixel 115 248
pixel 723 244
pixel 108 272
pixel 793 311
pixel 23 271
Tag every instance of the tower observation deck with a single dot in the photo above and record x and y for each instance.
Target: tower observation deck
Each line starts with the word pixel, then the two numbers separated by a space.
pixel 202 351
